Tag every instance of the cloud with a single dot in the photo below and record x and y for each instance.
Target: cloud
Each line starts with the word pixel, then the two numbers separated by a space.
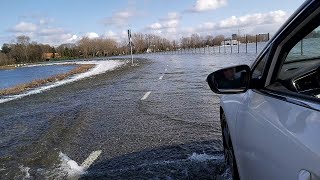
pixel 51 31
pixel 115 36
pixel 46 21
pixel 43 33
pixel 155 26
pixel 110 34
pixel 247 21
pixel 251 23
pixel 254 19
pixel 24 27
pixel 171 15
pixel 92 35
pixel 119 19
pixel 169 23
pixel 73 38
pixel 57 39
pixel 166 26
pixel 207 5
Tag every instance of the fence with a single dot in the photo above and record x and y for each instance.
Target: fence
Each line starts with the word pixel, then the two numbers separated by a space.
pixel 227 46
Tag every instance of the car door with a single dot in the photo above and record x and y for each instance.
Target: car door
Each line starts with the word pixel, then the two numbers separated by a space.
pixel 277 127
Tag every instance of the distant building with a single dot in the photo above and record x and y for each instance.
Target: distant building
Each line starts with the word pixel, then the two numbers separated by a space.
pixel 234 36
pixel 230 42
pixel 263 37
pixel 48 56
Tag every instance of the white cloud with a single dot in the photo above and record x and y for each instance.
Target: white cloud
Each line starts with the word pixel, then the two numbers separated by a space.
pixel 173 23
pixel 206 5
pixel 208 25
pixel 57 39
pixel 167 26
pixel 42 33
pixel 251 23
pixel 45 21
pixel 171 15
pixel 251 20
pixel 50 31
pixel 115 36
pixel 119 19
pixel 24 27
pixel 155 26
pixel 170 22
pixel 124 35
pixel 92 35
pixel 110 34
pixel 73 38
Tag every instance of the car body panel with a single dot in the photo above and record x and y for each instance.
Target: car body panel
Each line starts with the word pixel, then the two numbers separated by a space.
pixel 230 105
pixel 276 139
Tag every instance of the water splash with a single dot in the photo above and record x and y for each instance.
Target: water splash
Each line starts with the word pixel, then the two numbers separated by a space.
pixel 25 170
pixel 204 157
pixel 70 166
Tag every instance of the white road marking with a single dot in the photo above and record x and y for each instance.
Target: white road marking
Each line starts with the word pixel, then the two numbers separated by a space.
pixel 165 69
pixel 160 77
pixel 146 96
pixel 90 159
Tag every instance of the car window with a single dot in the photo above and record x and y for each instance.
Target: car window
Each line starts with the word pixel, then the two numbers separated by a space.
pixel 259 69
pixel 300 70
pixel 307 48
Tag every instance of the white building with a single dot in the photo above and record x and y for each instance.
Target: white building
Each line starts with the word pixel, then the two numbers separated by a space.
pixel 229 42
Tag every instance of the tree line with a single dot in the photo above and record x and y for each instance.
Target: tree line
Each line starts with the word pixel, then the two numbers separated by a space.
pixel 23 50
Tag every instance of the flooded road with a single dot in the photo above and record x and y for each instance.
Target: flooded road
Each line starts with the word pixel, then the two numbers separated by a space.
pixel 157 120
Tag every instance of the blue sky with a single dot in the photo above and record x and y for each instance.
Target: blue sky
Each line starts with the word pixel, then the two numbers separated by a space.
pixel 66 21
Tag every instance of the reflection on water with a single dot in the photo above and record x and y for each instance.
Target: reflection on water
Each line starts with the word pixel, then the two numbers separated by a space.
pixel 13 77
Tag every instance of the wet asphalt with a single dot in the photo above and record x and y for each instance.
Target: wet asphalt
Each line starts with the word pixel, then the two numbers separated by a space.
pixel 173 133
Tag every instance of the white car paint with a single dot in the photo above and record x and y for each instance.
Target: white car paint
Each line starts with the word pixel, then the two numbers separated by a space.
pixel 272 138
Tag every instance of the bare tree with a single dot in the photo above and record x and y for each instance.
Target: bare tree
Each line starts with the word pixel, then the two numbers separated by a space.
pixel 218 39
pixel 24 42
pixel 139 42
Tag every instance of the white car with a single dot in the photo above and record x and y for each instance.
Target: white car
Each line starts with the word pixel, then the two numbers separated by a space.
pixel 270 115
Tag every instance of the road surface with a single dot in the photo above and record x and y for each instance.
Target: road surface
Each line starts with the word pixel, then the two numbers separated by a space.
pixel 157 120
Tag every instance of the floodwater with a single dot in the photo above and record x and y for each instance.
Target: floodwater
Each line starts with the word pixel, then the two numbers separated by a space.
pixel 12 77
pixel 102 127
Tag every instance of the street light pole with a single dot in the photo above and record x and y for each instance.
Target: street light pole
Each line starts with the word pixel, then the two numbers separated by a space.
pixel 131 53
pixel 130 44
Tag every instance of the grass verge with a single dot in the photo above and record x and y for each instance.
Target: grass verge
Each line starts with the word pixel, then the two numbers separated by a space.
pixel 7 67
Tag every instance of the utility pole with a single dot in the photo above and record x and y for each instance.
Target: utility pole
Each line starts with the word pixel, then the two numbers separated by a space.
pixel 130 44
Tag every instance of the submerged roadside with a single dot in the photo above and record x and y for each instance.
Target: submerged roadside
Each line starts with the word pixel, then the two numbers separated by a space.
pixel 40 82
pixel 85 69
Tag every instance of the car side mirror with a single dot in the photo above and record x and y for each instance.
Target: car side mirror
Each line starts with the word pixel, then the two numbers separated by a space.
pixel 231 80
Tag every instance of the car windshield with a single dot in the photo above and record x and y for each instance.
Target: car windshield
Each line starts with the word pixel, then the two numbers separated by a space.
pixel 116 89
pixel 307 49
